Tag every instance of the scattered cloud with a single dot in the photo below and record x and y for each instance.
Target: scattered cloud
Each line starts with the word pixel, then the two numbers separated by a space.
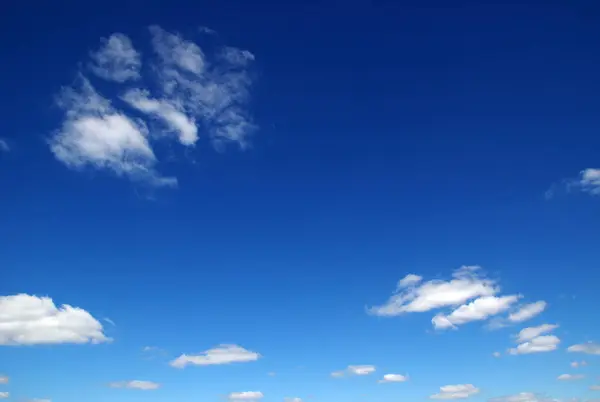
pixel 4 379
pixel 527 311
pixel 354 370
pixel 479 309
pixel 529 333
pixel 116 60
pixel 135 384
pixel 32 320
pixel 189 91
pixel 569 377
pixel 245 396
pixel 589 181
pixel 4 395
pixel 544 343
pixel 578 364
pixel 4 147
pixel 589 348
pixel 496 354
pixel 523 397
pixel 222 354
pixel 393 378
pixel 460 391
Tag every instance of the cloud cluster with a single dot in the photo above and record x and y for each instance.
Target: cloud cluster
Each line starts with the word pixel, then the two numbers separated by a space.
pixel 354 370
pixel 247 396
pixel 32 320
pixel 222 354
pixel 472 297
pixel 135 384
pixel 532 340
pixel 185 94
pixel 459 391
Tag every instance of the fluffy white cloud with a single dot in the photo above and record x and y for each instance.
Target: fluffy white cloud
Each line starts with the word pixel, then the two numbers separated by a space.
pixel 527 311
pixel 354 370
pixel 569 377
pixel 135 384
pixel 4 379
pixel 393 378
pixel 578 364
pixel 479 309
pixel 31 320
pixel 459 391
pixel 589 181
pixel 543 343
pixel 245 396
pixel 433 294
pixel 589 348
pixel 193 91
pixel 222 354
pixel 95 135
pixel 529 333
pixel 116 60
pixel 4 395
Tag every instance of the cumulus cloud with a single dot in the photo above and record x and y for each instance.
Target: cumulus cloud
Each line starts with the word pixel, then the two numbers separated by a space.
pixel 479 309
pixel 570 377
pixel 222 354
pixel 529 333
pixel 4 379
pixel 589 348
pixel 32 320
pixel 245 396
pixel 354 370
pixel 135 384
pixel 527 311
pixel 393 378
pixel 578 364
pixel 543 343
pixel 459 391
pixel 190 93
pixel 116 60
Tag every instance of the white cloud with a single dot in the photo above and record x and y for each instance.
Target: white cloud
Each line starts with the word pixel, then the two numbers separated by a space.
pixel 578 364
pixel 544 343
pixel 589 181
pixel 222 354
pixel 168 112
pixel 460 391
pixel 4 379
pixel 464 286
pixel 529 333
pixel 135 384
pixel 31 320
pixel 589 348
pixel 246 396
pixel 527 311
pixel 95 134
pixel 523 397
pixel 569 377
pixel 393 378
pixel 354 370
pixel 496 354
pixel 292 399
pixel 116 60
pixel 4 147
pixel 4 395
pixel 409 280
pixel 479 309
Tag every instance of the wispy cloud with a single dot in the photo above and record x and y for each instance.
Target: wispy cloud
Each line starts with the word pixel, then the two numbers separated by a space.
pixel 135 384
pixel 4 379
pixel 589 348
pixel 222 354
pixel 570 377
pixel 527 311
pixel 387 378
pixel 185 94
pixel 32 320
pixel 459 391
pixel 588 181
pixel 578 364
pixel 4 145
pixel 356 370
pixel 523 397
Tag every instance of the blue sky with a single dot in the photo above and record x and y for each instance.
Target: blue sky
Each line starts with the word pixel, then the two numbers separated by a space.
pixel 300 201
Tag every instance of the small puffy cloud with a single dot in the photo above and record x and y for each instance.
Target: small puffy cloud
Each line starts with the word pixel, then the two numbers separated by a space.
pixel 589 348
pixel 32 320
pixel 4 147
pixel 116 60
pixel 479 309
pixel 529 333
pixel 393 378
pixel 589 181
pixel 523 397
pixel 459 391
pixel 570 377
pixel 527 311
pixel 543 343
pixel 135 384
pixel 578 364
pixel 4 379
pixel 245 396
pixel 354 370
pixel 4 395
pixel 222 354
pixel 434 294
